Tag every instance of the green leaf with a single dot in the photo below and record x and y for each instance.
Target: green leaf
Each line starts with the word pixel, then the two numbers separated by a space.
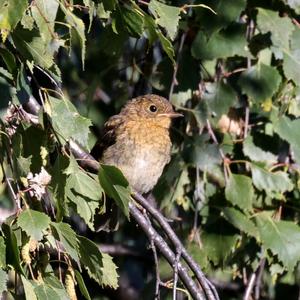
pixel 256 153
pixel 219 97
pixel 239 191
pixel 115 186
pixel 281 237
pixel 34 223
pixel 112 44
pixel 82 182
pixel 84 190
pixel 3 281
pixel 166 16
pixel 150 29
pixel 222 44
pixel 53 283
pixel 226 13
pixel 133 20
pixel 58 186
pixel 45 292
pixel 167 46
pixel 12 250
pixel 280 28
pixel 2 253
pixel 32 47
pixel 28 289
pixel 200 153
pixel 10 16
pixel 109 270
pixel 289 130
pixel 7 93
pixel 178 192
pixel 77 27
pixel 82 285
pixel 218 241
pixel 44 13
pixel 109 5
pixel 68 123
pixel 23 86
pixel 260 82
pixel 67 236
pixel 274 184
pixel 291 58
pixel 240 221
pixel 9 60
pixel 99 266
pixel 27 21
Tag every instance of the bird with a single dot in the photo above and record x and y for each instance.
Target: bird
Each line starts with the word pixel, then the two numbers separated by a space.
pixel 137 140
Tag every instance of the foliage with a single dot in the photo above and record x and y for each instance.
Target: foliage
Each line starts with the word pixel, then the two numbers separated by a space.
pixel 232 67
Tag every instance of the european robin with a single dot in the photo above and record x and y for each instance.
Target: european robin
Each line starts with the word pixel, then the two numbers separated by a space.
pixel 137 140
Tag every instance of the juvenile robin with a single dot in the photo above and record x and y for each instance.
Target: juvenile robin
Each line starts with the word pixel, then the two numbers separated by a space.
pixel 137 140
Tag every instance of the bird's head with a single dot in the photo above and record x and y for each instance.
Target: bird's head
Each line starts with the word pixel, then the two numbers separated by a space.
pixel 151 108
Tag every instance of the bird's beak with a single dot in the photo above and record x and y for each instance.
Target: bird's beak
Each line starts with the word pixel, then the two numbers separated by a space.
pixel 171 115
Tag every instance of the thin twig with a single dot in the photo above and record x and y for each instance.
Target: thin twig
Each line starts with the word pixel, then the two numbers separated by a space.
pixel 174 79
pixel 250 287
pixel 14 196
pixel 59 259
pixel 166 251
pixel 249 34
pixel 157 275
pixel 175 267
pixel 259 279
pixel 255 280
pixel 208 289
pixel 212 135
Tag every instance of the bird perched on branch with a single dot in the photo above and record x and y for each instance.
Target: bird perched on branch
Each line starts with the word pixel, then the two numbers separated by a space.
pixel 137 140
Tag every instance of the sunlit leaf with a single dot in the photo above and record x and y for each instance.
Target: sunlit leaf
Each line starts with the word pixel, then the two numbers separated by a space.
pixel 77 28
pixel 291 55
pixel 273 183
pixel 281 237
pixel 82 286
pixel 219 97
pixel 66 235
pixel 166 16
pixel 2 253
pixel 255 153
pixel 239 191
pixel 3 281
pixel 280 27
pixel 260 82
pixel 28 289
pixel 240 221
pixel 99 265
pixel 10 16
pixel 68 123
pixel 226 43
pixel 289 130
pixel 34 223
pixel 115 186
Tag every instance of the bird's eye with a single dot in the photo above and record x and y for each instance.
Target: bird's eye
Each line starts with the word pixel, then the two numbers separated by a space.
pixel 153 108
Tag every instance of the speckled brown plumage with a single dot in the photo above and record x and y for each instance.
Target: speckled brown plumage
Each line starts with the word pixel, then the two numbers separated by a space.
pixel 137 140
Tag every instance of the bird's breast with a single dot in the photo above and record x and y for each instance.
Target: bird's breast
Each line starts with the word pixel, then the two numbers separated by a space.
pixel 141 155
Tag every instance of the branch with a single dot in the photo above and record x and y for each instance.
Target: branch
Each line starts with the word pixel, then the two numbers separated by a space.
pixel 166 252
pixel 209 289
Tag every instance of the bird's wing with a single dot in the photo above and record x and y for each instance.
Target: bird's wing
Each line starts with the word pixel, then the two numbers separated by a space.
pixel 108 136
